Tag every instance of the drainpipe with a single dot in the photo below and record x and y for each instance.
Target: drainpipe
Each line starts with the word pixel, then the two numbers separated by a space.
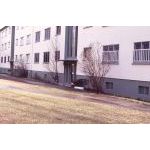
pixel 12 49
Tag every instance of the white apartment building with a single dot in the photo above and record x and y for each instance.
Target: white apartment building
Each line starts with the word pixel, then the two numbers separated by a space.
pixel 129 48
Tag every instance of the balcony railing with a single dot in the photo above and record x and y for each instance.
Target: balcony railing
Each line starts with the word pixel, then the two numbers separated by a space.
pixel 111 57
pixel 141 56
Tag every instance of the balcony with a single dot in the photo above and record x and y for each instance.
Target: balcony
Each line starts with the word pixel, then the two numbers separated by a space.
pixel 111 57
pixel 141 56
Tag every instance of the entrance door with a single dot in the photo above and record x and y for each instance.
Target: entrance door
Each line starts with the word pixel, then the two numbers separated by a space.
pixel 69 72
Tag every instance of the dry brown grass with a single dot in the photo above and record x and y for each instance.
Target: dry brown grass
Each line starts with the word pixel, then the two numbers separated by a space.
pixel 18 106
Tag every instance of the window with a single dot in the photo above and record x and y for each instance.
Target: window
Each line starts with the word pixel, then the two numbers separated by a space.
pixel 87 52
pixel 16 42
pixel 20 56
pixel 37 36
pixel 8 58
pixel 47 34
pixel 16 58
pixel 143 90
pixel 1 59
pixel 57 55
pixel 58 30
pixel 8 44
pixel 141 53
pixel 5 46
pixel 114 47
pixel 142 45
pixel 46 57
pixel 28 39
pixel 21 41
pixel 27 58
pixel 5 59
pixel 17 27
pixel 109 85
pixel 2 46
pixel 36 58
pixel 111 54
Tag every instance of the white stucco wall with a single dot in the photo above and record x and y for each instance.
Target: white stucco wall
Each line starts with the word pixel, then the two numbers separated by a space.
pixel 125 37
pixel 5 37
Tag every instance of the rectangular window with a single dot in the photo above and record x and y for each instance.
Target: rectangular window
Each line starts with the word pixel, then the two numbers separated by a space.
pixel 58 30
pixel 37 36
pixel 8 58
pixel 57 55
pixel 47 34
pixel 21 41
pixel 16 42
pixel 86 52
pixel 142 45
pixel 20 56
pixel 143 90
pixel 16 58
pixel 36 58
pixel 5 59
pixel 1 59
pixel 27 58
pixel 111 54
pixel 28 39
pixel 5 46
pixel 109 85
pixel 145 45
pixel 46 57
pixel 8 44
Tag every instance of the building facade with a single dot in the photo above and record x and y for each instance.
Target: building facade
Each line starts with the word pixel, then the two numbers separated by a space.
pixel 128 49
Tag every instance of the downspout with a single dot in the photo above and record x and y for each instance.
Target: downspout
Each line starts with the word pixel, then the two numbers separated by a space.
pixel 12 49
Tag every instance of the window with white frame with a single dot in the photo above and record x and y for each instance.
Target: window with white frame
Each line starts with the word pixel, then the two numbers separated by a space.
pixel 9 44
pixel 8 59
pixel 37 36
pixel 16 58
pixel 86 52
pixel 141 53
pixel 36 57
pixel 111 53
pixel 21 57
pixel 5 46
pixel 5 59
pixel 16 42
pixel 1 59
pixel 28 39
pixel 46 57
pixel 21 41
pixel 58 30
pixel 27 58
pixel 47 33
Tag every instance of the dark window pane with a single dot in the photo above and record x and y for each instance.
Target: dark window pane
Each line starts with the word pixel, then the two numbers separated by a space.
pixel 111 48
pixel 58 30
pixel 105 48
pixel 109 85
pixel 143 90
pixel 137 45
pixel 116 47
pixel 145 45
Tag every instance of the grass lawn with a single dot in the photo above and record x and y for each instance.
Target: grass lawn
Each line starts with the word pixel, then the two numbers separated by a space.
pixel 27 103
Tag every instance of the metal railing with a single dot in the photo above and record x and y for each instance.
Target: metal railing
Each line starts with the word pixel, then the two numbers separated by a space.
pixel 142 55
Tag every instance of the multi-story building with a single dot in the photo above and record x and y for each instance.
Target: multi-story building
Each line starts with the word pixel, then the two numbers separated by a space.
pixel 128 49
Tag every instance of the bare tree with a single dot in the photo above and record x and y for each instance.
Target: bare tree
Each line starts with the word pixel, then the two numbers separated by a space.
pixel 93 66
pixel 52 65
pixel 20 68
